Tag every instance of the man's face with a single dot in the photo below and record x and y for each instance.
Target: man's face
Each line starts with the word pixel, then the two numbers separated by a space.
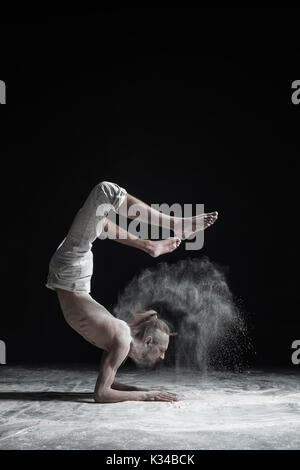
pixel 154 352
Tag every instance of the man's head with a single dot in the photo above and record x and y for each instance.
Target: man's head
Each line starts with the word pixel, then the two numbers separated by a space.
pixel 150 336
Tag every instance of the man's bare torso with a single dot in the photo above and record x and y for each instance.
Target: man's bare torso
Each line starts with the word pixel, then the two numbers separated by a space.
pixel 91 319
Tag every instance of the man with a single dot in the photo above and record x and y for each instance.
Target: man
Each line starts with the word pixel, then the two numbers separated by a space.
pixel 146 339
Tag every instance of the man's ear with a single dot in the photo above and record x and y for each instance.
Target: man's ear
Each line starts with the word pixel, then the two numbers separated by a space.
pixel 148 340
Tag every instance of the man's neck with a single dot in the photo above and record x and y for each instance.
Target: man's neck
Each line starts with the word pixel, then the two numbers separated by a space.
pixel 134 350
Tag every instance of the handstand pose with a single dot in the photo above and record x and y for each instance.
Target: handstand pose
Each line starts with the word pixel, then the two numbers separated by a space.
pixel 146 339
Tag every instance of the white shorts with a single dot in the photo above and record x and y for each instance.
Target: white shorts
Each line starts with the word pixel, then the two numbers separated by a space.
pixel 71 266
pixel 73 276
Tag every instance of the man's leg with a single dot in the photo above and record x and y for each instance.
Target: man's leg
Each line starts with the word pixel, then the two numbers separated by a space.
pixel 182 227
pixel 152 247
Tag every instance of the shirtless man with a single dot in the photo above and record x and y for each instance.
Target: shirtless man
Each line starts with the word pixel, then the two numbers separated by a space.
pixel 146 338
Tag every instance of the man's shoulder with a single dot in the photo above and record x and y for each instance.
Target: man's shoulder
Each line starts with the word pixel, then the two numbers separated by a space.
pixel 122 339
pixel 123 332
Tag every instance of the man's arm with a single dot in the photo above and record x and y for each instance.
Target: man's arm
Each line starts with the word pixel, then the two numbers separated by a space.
pixel 119 386
pixel 110 362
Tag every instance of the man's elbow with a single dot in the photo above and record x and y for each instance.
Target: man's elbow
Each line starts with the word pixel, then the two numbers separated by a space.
pixel 101 396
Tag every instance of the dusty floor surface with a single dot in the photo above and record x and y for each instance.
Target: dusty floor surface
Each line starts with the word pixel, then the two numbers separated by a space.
pixel 52 408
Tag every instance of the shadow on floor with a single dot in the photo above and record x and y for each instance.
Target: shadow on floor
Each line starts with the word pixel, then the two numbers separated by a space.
pixel 49 396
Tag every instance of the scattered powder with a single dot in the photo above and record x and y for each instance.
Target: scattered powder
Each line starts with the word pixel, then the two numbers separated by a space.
pixel 194 296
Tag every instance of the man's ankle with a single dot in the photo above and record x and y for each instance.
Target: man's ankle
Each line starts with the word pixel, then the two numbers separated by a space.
pixel 147 246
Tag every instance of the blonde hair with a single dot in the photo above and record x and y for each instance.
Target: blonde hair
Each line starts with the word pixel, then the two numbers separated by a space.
pixel 148 324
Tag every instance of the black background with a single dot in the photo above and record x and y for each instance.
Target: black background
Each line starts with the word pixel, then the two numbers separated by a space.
pixel 187 105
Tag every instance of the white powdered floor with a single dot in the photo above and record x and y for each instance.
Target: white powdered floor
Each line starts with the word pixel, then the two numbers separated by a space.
pixel 52 408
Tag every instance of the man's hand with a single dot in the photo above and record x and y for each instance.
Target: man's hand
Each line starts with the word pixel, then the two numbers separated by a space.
pixel 114 396
pixel 161 396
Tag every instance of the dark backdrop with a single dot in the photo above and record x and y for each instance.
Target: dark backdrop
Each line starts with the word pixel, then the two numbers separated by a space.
pixel 175 105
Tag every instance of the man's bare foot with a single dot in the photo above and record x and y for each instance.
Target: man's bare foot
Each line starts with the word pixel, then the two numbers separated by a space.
pixel 183 228
pixel 161 247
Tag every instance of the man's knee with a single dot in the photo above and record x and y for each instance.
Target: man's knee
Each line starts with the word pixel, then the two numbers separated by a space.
pixel 109 192
pixel 104 185
pixel 105 192
pixel 108 188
